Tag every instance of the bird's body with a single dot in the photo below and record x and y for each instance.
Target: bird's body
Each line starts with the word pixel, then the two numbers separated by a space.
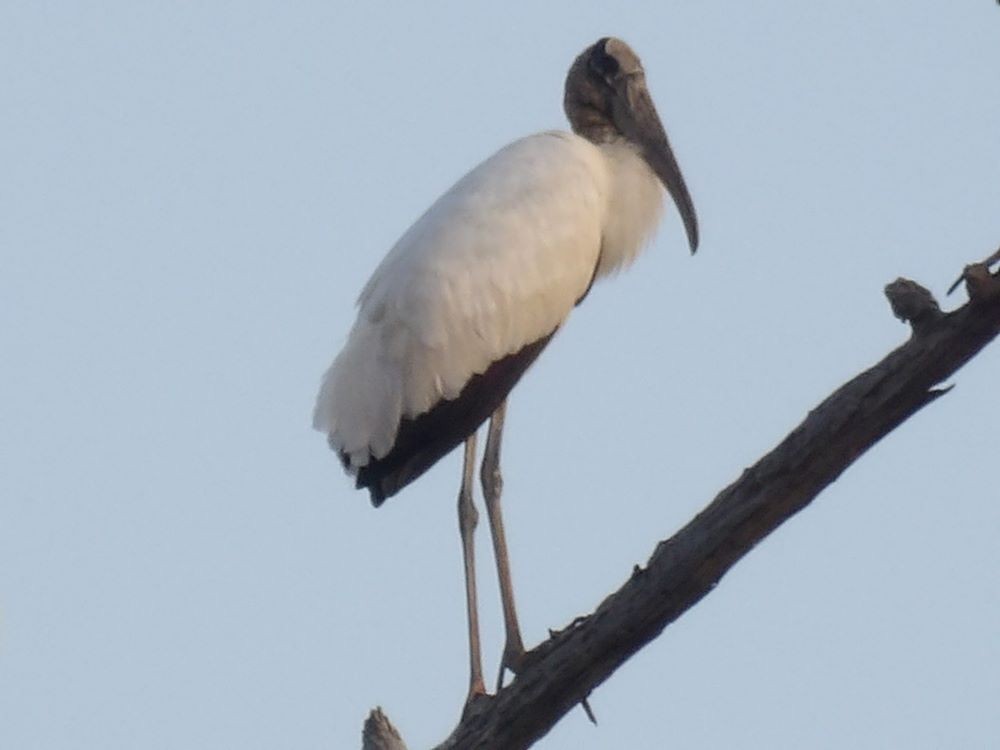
pixel 491 269
pixel 474 290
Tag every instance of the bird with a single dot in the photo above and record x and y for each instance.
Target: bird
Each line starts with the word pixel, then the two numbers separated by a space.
pixel 474 290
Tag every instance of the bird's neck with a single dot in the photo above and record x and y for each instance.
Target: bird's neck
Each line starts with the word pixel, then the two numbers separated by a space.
pixel 635 205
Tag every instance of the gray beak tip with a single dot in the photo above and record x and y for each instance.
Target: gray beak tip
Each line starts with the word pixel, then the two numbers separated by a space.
pixel 690 221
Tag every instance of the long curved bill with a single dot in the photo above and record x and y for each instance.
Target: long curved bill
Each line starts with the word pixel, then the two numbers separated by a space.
pixel 636 115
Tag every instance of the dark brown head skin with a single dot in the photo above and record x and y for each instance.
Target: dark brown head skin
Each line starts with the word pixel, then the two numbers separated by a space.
pixel 607 100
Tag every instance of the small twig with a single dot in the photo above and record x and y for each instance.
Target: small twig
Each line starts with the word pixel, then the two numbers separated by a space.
pixel 380 734
pixel 970 271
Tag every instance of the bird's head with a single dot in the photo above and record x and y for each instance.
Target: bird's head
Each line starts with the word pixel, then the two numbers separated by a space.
pixel 606 100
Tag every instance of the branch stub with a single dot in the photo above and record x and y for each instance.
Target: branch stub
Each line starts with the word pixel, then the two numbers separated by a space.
pixel 913 304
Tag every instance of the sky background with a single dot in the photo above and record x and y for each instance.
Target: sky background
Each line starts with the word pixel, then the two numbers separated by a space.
pixel 192 194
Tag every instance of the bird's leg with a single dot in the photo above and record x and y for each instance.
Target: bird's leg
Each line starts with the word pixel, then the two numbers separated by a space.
pixel 468 517
pixel 513 651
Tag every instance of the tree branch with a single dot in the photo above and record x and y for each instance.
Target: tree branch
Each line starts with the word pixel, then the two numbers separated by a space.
pixel 563 670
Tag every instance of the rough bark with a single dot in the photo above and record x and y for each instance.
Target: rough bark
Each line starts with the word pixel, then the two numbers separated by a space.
pixel 562 671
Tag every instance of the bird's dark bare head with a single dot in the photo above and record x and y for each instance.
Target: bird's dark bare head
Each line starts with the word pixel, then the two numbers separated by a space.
pixel 606 100
pixel 592 85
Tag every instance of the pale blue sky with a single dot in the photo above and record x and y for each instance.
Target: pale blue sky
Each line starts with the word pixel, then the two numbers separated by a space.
pixel 193 193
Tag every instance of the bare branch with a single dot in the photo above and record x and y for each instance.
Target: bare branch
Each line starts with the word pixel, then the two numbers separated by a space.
pixel 562 671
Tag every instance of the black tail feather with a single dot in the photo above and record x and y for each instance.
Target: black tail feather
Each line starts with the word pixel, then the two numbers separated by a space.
pixel 424 440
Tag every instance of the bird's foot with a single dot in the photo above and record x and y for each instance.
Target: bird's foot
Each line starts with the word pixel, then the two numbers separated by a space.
pixel 513 660
pixel 476 698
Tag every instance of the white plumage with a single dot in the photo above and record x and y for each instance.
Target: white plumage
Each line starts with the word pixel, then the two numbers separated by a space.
pixel 497 263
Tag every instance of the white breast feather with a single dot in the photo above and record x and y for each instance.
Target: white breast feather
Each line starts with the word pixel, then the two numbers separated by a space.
pixel 496 263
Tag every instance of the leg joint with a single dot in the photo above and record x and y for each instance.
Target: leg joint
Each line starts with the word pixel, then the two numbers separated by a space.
pixel 468 516
pixel 492 480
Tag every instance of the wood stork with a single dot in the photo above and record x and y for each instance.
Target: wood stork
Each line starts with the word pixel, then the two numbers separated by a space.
pixel 475 289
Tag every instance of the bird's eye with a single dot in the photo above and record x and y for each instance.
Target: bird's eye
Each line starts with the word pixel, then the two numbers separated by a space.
pixel 604 64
